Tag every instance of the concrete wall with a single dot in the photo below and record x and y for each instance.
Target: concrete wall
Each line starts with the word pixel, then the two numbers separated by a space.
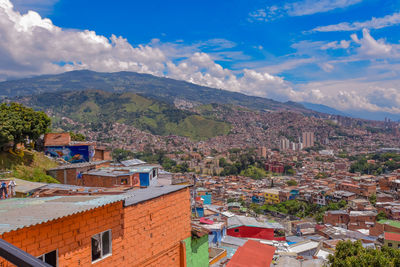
pixel 197 251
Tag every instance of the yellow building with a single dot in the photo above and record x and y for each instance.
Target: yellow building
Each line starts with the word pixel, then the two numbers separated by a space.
pixel 271 196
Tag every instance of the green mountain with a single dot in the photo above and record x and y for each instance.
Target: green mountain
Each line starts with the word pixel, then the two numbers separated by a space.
pixel 95 107
pixel 164 89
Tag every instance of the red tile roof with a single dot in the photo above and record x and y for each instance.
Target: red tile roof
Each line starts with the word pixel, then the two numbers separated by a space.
pixel 392 236
pixel 252 254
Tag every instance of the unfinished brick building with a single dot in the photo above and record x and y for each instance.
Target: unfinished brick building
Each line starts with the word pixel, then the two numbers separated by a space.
pixel 146 227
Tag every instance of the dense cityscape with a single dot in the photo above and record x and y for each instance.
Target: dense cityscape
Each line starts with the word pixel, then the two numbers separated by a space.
pixel 199 133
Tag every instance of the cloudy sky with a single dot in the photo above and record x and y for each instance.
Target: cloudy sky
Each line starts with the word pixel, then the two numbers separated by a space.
pixel 340 53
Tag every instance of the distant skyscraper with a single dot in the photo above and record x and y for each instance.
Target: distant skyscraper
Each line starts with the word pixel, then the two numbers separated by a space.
pixel 284 144
pixel 262 152
pixel 308 139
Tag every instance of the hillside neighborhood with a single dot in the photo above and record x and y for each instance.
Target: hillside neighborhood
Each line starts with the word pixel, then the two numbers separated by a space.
pixel 295 214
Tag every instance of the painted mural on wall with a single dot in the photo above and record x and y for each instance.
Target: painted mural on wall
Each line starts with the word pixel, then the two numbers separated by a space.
pixel 72 154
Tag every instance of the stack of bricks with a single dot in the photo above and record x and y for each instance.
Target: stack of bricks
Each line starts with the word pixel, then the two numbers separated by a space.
pixel 144 234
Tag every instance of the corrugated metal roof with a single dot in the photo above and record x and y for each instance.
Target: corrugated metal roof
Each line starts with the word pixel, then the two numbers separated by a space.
pixel 250 221
pixel 132 162
pixel 137 196
pixel 18 213
pixel 303 246
pixel 23 186
pixel 79 165
pixel 23 212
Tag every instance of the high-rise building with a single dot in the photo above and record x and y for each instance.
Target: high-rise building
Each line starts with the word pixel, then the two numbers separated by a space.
pixel 262 152
pixel 308 139
pixel 284 144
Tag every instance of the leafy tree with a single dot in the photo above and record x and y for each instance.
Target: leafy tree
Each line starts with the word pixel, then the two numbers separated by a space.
pixel 291 183
pixel 349 254
pixel 182 168
pixel 222 162
pixel 17 123
pixel 381 216
pixel 77 136
pixel 119 154
pixel 254 172
pixel 372 199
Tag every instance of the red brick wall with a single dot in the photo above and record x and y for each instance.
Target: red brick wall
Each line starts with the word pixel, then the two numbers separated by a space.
pixel 335 219
pixel 359 222
pixel 379 228
pixel 71 174
pixel 104 181
pixel 146 234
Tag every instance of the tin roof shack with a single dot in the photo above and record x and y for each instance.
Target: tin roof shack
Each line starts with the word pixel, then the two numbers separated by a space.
pixel 132 229
pixel 110 177
pixel 306 248
pixel 59 145
pixel 72 173
pixel 249 227
pixel 142 176
pixel 301 228
pixel 25 188
pixel 147 175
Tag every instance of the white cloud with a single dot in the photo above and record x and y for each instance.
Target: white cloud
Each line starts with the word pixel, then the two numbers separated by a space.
pixel 371 48
pixel 343 44
pixel 309 7
pixel 299 8
pixel 374 23
pixel 353 94
pixel 30 45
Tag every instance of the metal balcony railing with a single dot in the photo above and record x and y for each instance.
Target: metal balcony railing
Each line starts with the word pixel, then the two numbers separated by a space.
pixel 19 257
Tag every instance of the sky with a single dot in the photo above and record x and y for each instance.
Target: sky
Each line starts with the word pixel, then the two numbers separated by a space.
pixel 341 53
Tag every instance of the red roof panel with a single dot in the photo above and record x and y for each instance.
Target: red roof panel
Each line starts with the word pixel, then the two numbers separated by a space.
pixel 252 254
pixel 392 236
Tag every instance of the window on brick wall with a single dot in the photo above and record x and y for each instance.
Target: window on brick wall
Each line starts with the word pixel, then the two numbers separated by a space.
pixel 101 245
pixel 50 258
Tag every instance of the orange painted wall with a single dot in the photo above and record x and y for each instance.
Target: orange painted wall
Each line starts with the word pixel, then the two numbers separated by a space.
pixel 145 234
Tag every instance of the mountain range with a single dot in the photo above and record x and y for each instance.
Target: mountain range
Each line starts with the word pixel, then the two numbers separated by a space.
pixel 167 90
pixel 164 89
pixel 96 109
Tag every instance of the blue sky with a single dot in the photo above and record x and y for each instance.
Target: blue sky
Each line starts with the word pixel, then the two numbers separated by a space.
pixel 341 53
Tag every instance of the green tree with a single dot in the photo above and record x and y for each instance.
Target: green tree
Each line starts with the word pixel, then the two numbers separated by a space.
pixel 119 154
pixel 349 254
pixel 222 162
pixel 254 172
pixel 372 199
pixel 77 136
pixel 19 123
pixel 381 216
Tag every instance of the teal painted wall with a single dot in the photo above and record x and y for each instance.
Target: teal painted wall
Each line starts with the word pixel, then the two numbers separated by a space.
pixel 197 251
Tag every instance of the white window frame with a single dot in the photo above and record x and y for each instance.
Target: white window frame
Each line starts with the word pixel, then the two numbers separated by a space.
pixel 44 256
pixel 101 246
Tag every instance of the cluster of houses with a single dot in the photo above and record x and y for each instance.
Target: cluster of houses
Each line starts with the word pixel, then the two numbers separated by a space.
pixel 101 212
